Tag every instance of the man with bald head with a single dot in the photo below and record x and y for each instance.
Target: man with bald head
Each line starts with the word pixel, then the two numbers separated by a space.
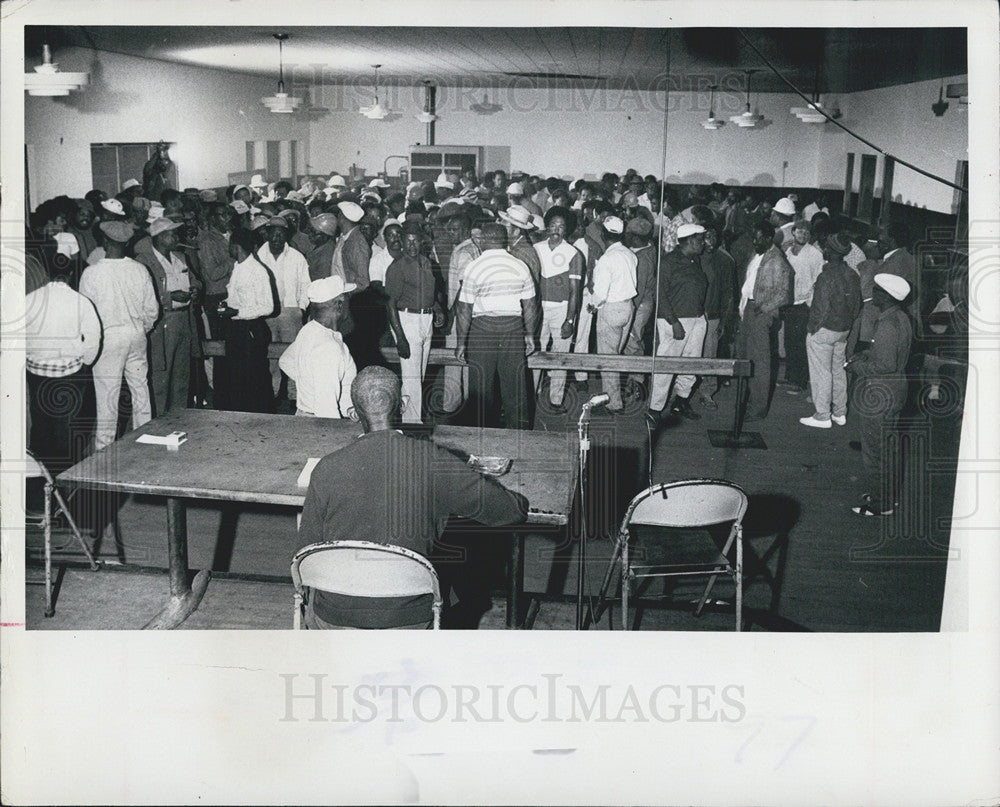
pixel 390 488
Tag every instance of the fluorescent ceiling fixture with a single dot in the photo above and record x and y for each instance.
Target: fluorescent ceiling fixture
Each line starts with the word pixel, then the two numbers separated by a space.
pixel 426 117
pixel 281 102
pixel 47 80
pixel 812 113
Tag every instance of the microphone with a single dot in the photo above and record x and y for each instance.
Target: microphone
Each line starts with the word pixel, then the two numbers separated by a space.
pixel 597 400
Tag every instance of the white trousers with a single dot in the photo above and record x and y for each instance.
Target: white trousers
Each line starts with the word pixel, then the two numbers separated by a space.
pixel 417 328
pixel 553 317
pixel 123 353
pixel 690 345
pixel 584 321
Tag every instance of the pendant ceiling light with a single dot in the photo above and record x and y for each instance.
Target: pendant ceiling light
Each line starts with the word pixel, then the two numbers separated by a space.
pixel 485 107
pixel 376 111
pixel 47 80
pixel 281 102
pixel 813 113
pixel 712 122
pixel 747 120
pixel 427 116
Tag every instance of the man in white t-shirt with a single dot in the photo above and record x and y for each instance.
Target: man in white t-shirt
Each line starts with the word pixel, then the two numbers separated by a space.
pixel 318 360
pixel 561 272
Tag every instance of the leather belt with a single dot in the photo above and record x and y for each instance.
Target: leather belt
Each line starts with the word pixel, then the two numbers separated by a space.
pixel 417 310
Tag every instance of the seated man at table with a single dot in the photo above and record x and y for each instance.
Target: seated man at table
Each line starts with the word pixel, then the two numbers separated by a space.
pixel 392 489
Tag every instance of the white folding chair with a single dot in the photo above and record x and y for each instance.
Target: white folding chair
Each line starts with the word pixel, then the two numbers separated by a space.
pixel 690 504
pixel 363 569
pixel 34 470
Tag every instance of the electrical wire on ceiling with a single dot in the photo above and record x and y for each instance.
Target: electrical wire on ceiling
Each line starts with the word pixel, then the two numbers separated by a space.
pixel 856 136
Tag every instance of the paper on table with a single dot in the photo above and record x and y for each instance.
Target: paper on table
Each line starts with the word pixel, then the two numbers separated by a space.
pixel 172 439
pixel 307 472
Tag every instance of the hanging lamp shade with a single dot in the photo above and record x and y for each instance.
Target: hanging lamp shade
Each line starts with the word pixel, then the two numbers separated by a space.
pixel 281 102
pixel 427 115
pixel 747 120
pixel 376 111
pixel 48 80
pixel 713 122
pixel 485 107
pixel 813 113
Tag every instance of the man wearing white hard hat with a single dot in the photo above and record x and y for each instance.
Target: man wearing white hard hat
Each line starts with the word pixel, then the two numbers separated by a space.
pixel 680 321
pixel 783 218
pixel 336 181
pixel 880 393
pixel 291 274
pixel 318 360
pixel 362 320
pixel 611 299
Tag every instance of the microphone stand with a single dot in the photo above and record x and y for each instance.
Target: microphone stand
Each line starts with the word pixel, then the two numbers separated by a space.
pixel 583 433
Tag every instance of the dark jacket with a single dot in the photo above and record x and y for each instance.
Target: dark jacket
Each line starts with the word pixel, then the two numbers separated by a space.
pixel 836 298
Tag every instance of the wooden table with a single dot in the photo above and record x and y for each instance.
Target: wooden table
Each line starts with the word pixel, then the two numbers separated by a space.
pixel 242 457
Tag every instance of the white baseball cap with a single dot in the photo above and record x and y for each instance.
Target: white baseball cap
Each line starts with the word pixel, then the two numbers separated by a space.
pixel 352 210
pixel 328 288
pixel 613 224
pixel 893 284
pixel 686 230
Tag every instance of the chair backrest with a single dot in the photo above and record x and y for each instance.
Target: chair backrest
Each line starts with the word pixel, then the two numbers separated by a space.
pixel 364 569
pixel 687 503
pixel 33 468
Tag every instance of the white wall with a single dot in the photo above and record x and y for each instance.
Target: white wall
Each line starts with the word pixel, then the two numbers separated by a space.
pixel 209 114
pixel 578 132
pixel 900 120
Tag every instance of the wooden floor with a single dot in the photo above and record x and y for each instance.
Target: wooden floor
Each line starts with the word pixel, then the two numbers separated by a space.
pixel 810 563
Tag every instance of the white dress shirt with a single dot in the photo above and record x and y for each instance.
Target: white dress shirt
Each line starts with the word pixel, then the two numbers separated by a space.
pixel 291 274
pixel 379 262
pixel 614 275
pixel 322 368
pixel 122 292
pixel 249 290
pixel 747 291
pixel 61 330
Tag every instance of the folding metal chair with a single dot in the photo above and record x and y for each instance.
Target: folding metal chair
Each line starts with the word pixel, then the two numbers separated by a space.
pixel 33 470
pixel 690 504
pixel 363 569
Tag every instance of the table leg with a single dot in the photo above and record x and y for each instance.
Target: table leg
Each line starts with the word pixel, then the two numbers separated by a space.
pixel 738 409
pixel 515 576
pixel 184 596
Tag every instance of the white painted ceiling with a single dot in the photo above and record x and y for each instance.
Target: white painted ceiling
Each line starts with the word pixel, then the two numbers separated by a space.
pixel 849 59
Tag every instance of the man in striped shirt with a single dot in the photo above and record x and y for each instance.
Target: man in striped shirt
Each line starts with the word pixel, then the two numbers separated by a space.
pixel 496 318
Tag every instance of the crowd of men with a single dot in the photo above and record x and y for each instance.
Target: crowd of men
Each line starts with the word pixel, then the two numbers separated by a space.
pixel 494 268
